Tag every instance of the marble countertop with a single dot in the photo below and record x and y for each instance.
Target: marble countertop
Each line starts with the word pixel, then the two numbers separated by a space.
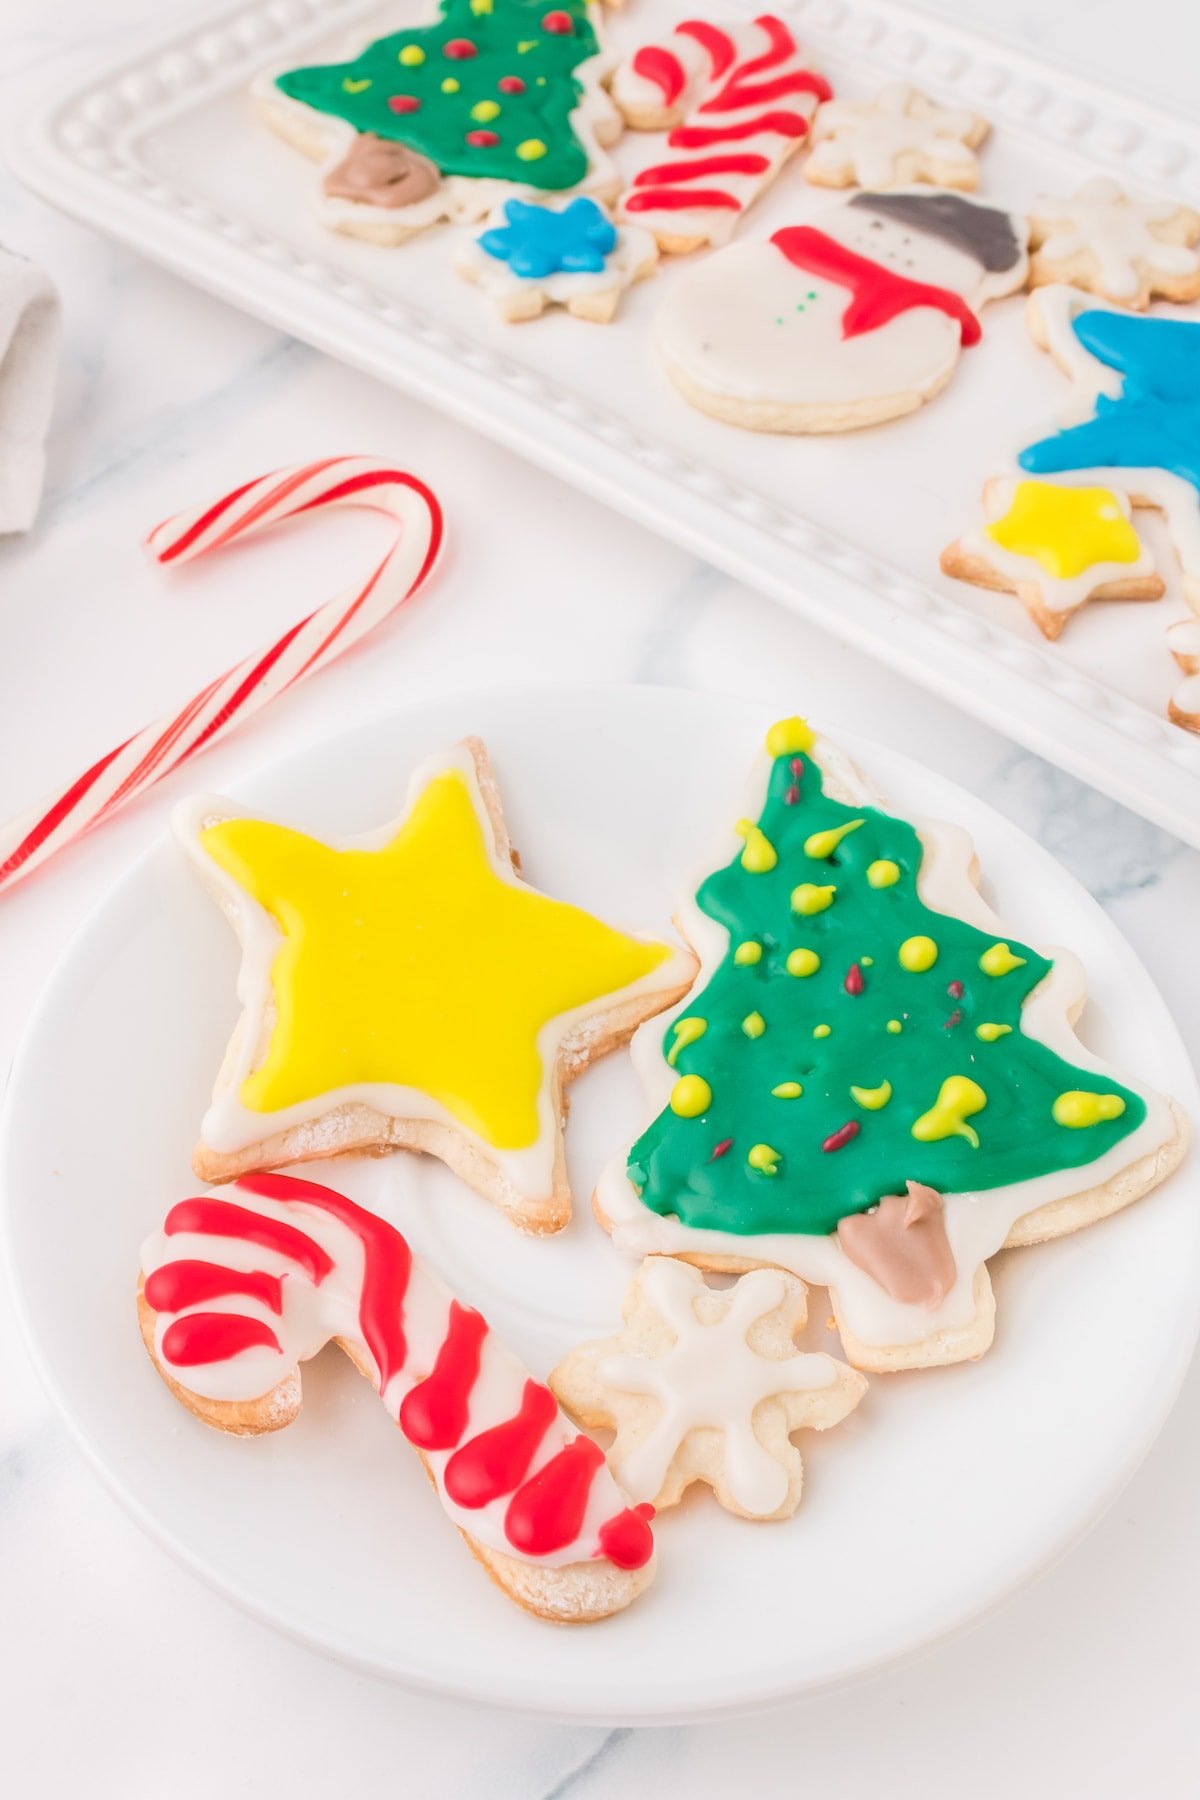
pixel 119 1673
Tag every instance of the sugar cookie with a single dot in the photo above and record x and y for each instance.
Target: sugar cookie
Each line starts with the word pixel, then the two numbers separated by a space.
pixel 568 254
pixel 1127 251
pixel 446 120
pixel 242 1285
pixel 408 990
pixel 706 1386
pixel 1183 640
pixel 847 323
pixel 736 100
pixel 899 137
pixel 862 1022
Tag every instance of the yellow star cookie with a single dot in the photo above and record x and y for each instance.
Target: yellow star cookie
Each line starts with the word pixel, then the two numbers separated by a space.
pixel 409 990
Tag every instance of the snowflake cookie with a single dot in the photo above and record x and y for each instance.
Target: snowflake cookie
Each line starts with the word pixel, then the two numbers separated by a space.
pixel 1183 640
pixel 1055 548
pixel 569 255
pixel 899 137
pixel 1128 251
pixel 706 1385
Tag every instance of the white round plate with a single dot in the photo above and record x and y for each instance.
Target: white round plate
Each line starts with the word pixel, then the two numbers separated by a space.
pixel 941 1495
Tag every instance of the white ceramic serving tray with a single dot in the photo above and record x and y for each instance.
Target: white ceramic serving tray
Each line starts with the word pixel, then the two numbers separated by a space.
pixel 164 150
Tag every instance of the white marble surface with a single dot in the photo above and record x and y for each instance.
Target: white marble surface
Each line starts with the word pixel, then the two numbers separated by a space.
pixel 119 1674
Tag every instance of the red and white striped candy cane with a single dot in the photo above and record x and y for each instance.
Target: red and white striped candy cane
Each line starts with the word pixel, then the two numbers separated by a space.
pixel 27 842
pixel 741 99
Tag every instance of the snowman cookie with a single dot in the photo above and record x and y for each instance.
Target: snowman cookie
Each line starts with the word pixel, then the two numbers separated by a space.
pixel 1055 547
pixel 568 254
pixel 706 1386
pixel 899 137
pixel 847 323
pixel 1127 251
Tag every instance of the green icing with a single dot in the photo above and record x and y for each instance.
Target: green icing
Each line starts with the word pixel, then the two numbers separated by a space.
pixel 510 42
pixel 672 1164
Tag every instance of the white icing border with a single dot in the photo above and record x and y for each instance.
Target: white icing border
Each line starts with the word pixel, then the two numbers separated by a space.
pixel 634 254
pixel 1057 593
pixel 977 1223
pixel 230 1126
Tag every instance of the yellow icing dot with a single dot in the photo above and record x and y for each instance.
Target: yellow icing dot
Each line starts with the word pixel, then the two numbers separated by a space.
pixel 748 954
pixel 485 110
pixel 450 86
pixel 686 1032
pixel 894 1026
pixel 883 873
pixel 1066 530
pixel 803 962
pixel 874 1099
pixel 758 858
pixel 356 87
pixel 412 56
pixel 531 149
pixel 691 1096
pixel 790 737
pixel 989 1032
pixel 917 954
pixel 999 960
pixel 417 964
pixel 808 899
pixel 787 1090
pixel 754 1025
pixel 1078 1109
pixel 822 1030
pixel 764 1159
pixel 526 45
pixel 958 1097
pixel 481 6
pixel 868 962
pixel 823 843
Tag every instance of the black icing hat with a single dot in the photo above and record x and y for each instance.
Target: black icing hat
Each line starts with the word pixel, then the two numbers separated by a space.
pixel 984 232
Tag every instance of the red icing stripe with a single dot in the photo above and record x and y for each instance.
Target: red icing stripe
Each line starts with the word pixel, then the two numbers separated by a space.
pixel 701 167
pixel 191 1283
pixel 672 200
pixel 700 137
pixel 434 1414
pixel 780 45
pixel 547 1513
pixel 716 44
pixel 221 1218
pixel 878 295
pixel 213 1337
pixel 494 1463
pixel 663 68
pixel 627 1539
pixel 387 1264
pixel 738 92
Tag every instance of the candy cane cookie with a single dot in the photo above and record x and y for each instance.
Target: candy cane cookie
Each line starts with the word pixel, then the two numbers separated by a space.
pixel 241 1285
pixel 736 100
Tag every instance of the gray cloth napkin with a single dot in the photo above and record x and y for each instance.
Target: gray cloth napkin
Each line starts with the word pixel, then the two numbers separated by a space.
pixel 30 324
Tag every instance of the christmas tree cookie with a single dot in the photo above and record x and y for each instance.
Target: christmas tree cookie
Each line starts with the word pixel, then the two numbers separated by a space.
pixel 408 990
pixel 447 119
pixel 872 1084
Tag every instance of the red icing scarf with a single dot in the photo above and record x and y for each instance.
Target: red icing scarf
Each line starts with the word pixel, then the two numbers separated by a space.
pixel 877 294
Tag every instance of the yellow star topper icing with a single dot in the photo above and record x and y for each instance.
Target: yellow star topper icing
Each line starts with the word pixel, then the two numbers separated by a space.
pixel 1066 530
pixel 411 991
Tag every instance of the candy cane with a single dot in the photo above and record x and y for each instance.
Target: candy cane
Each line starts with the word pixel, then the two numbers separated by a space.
pixel 219 708
pixel 243 1284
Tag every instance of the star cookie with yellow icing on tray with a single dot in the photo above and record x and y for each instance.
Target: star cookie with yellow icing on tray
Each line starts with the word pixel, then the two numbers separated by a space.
pixel 1055 547
pixel 408 990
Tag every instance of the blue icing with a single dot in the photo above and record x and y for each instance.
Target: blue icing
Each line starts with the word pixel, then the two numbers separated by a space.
pixel 541 240
pixel 1154 423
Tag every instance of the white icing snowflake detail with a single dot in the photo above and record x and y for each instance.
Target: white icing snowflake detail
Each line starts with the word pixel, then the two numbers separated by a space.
pixel 865 142
pixel 1103 222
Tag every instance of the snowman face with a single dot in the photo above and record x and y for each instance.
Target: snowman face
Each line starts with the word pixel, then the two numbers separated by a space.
pixel 916 255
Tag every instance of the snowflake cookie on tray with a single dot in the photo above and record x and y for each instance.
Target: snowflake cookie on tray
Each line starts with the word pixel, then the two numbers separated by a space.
pixel 567 254
pixel 408 990
pixel 1125 250
pixel 899 137
pixel 241 1285
pixel 707 1386
pixel 444 120
pixel 872 1084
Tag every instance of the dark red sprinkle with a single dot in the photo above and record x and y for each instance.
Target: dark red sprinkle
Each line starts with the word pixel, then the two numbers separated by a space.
pixel 954 1019
pixel 791 796
pixel 853 983
pixel 797 767
pixel 558 22
pixel 956 990
pixel 403 103
pixel 459 48
pixel 721 1149
pixel 837 1140
pixel 482 140
pixel 511 84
